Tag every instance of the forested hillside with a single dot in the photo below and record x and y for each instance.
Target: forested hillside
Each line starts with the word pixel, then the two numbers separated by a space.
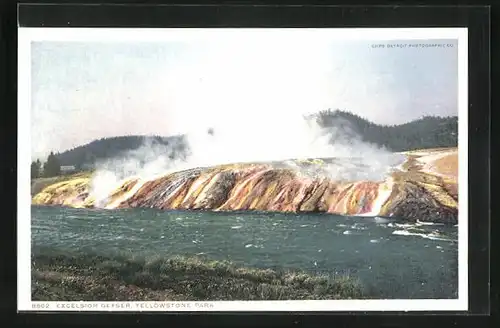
pixel 111 147
pixel 427 132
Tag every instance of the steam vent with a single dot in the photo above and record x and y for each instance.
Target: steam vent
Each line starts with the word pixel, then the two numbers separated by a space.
pixel 424 187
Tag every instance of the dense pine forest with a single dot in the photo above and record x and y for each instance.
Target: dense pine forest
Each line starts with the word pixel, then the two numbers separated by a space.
pixel 427 132
pixel 111 147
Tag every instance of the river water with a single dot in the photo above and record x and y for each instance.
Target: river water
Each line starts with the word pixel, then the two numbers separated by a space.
pixel 392 260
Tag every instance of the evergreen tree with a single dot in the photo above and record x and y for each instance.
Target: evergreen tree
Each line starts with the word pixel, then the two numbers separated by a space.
pixel 52 167
pixel 36 167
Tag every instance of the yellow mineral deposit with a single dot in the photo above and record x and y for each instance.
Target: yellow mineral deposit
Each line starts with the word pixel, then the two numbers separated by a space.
pixel 423 188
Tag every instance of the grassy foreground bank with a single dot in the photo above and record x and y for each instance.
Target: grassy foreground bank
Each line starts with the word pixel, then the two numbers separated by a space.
pixel 89 277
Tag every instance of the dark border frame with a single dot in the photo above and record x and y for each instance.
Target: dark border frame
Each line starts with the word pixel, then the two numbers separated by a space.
pixel 476 18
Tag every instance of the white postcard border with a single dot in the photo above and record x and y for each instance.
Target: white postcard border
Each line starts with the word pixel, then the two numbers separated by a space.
pixel 28 35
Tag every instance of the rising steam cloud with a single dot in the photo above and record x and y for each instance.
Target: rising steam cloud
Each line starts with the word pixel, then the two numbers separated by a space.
pixel 354 158
pixel 249 106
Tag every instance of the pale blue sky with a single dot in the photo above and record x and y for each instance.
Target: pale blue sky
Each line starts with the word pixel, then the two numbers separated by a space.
pixel 84 91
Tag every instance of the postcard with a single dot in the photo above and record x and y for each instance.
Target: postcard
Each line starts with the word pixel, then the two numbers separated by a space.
pixel 242 169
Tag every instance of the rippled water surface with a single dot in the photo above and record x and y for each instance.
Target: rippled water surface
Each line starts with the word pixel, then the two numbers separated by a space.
pixel 392 260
